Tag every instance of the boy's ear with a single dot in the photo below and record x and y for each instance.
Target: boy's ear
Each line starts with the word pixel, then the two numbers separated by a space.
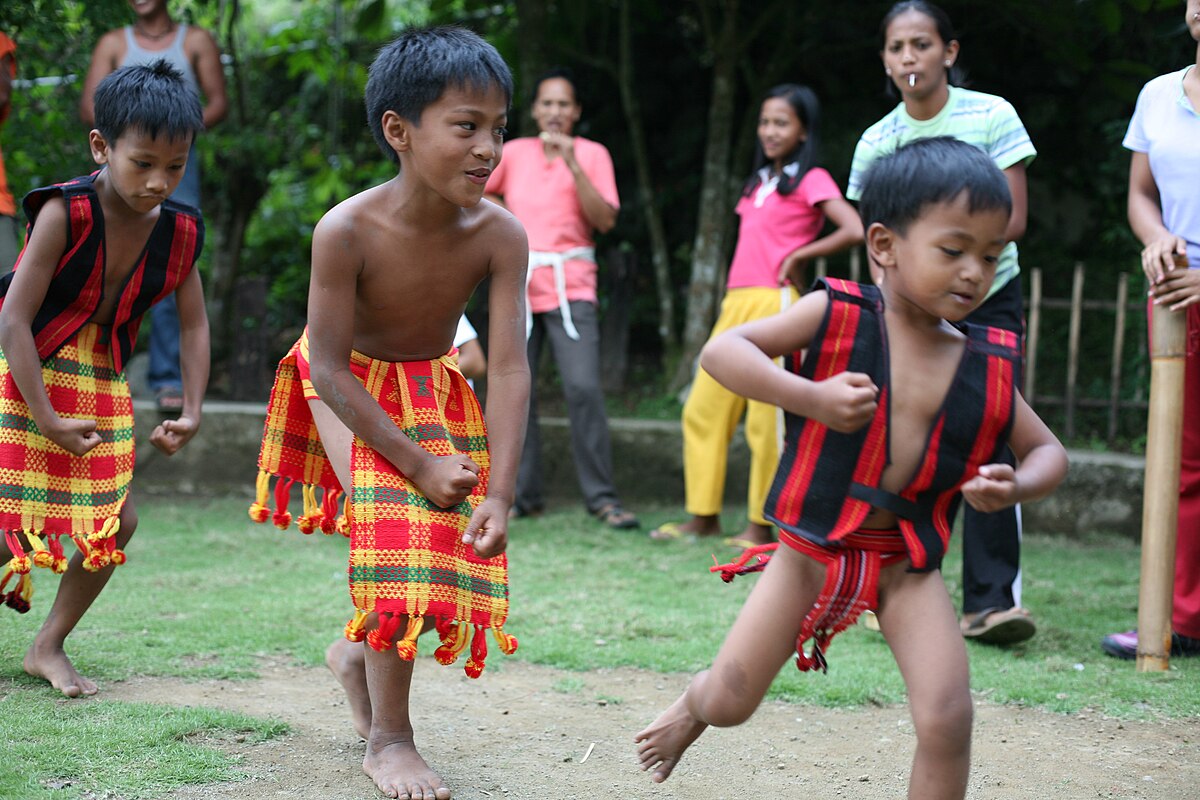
pixel 881 245
pixel 99 146
pixel 397 131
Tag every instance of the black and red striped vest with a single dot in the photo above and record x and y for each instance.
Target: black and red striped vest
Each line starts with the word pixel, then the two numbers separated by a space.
pixel 828 482
pixel 76 290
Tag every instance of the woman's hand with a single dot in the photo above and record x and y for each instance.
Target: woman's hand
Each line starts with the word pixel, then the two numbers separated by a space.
pixel 1178 288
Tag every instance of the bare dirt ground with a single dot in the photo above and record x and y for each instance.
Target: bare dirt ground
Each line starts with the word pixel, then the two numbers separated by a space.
pixel 524 731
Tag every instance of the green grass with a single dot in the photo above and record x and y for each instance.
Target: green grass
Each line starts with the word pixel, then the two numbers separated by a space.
pixel 208 594
pixel 55 749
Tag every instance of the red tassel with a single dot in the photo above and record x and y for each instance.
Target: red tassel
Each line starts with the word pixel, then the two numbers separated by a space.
pixel 475 665
pixel 18 598
pixel 282 518
pixel 60 559
pixel 329 511
pixel 380 639
pixel 739 566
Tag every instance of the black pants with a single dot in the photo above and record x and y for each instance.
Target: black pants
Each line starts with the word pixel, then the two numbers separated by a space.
pixel 992 542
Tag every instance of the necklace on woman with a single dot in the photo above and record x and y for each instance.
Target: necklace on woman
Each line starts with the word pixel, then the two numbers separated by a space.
pixel 154 36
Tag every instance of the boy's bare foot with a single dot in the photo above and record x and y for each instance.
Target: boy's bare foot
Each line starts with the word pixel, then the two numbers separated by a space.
pixel 347 662
pixel 662 742
pixel 51 663
pixel 399 771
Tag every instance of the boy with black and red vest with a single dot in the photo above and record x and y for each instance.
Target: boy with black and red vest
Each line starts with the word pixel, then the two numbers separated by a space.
pixel 101 250
pixel 896 411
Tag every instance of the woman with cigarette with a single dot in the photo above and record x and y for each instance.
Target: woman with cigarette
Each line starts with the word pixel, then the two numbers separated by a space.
pixel 920 54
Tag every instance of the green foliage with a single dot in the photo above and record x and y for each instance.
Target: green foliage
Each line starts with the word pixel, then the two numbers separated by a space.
pixel 295 142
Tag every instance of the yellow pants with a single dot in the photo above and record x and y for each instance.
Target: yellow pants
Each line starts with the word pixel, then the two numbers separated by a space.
pixel 712 412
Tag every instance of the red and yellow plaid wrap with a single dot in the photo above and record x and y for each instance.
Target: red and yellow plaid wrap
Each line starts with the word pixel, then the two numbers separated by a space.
pixel 47 493
pixel 407 558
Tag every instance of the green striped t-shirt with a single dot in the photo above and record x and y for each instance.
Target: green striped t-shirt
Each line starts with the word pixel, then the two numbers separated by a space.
pixel 984 120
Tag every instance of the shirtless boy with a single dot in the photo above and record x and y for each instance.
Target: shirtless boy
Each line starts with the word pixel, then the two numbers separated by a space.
pixel 877 457
pixel 392 271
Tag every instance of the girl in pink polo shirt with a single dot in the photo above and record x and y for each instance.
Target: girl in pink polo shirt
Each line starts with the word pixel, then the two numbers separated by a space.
pixel 784 206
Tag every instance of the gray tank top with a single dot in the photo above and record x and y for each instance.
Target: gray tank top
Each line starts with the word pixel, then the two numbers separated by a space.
pixel 188 191
pixel 136 54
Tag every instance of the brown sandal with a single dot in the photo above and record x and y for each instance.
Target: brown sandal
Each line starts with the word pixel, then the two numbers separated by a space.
pixel 614 516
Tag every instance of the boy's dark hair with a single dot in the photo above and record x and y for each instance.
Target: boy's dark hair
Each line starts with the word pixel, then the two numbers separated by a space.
pixel 152 98
pixel 956 75
pixel 565 74
pixel 415 70
pixel 900 185
pixel 803 101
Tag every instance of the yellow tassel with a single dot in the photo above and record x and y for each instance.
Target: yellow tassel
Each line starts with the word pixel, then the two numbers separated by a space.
pixel 310 520
pixel 407 647
pixel 107 531
pixel 507 644
pixel 259 512
pixel 356 628
pixel 41 554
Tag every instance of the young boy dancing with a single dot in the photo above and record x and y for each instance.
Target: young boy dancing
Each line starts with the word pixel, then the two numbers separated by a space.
pixel 895 412
pixel 371 397
pixel 102 249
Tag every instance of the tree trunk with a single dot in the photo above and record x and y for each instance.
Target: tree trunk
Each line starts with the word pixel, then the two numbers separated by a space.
pixel 651 212
pixel 531 59
pixel 708 250
pixel 620 268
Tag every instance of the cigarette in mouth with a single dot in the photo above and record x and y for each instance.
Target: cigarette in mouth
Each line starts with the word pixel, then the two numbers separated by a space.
pixel 912 80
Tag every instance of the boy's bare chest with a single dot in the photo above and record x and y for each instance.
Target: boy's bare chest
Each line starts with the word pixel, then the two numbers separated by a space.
pixel 124 246
pixel 921 379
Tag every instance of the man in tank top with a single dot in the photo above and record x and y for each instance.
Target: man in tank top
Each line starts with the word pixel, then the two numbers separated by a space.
pixel 194 52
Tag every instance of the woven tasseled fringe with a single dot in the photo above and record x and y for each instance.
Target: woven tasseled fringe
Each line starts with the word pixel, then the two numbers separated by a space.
pixel 324 516
pixel 99 550
pixel 454 638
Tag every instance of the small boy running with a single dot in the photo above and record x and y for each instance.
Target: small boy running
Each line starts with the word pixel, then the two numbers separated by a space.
pixel 101 250
pixel 895 413
pixel 371 397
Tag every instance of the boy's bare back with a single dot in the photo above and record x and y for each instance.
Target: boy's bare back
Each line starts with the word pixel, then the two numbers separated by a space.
pixel 414 272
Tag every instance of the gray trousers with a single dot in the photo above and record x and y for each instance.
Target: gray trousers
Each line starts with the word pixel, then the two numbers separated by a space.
pixel 579 368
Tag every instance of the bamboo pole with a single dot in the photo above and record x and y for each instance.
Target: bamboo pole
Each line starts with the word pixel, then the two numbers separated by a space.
pixel 1160 505
pixel 1033 333
pixel 1073 345
pixel 822 269
pixel 855 264
pixel 1114 392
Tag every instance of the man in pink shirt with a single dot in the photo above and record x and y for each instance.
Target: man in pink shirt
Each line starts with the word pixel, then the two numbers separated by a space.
pixel 562 189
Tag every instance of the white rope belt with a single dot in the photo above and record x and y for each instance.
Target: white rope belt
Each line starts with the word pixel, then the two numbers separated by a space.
pixel 557 262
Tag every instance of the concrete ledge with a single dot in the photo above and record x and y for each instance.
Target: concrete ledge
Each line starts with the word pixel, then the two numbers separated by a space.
pixel 1102 492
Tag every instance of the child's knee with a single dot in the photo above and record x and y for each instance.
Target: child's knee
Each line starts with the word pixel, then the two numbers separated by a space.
pixel 946 724
pixel 716 707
